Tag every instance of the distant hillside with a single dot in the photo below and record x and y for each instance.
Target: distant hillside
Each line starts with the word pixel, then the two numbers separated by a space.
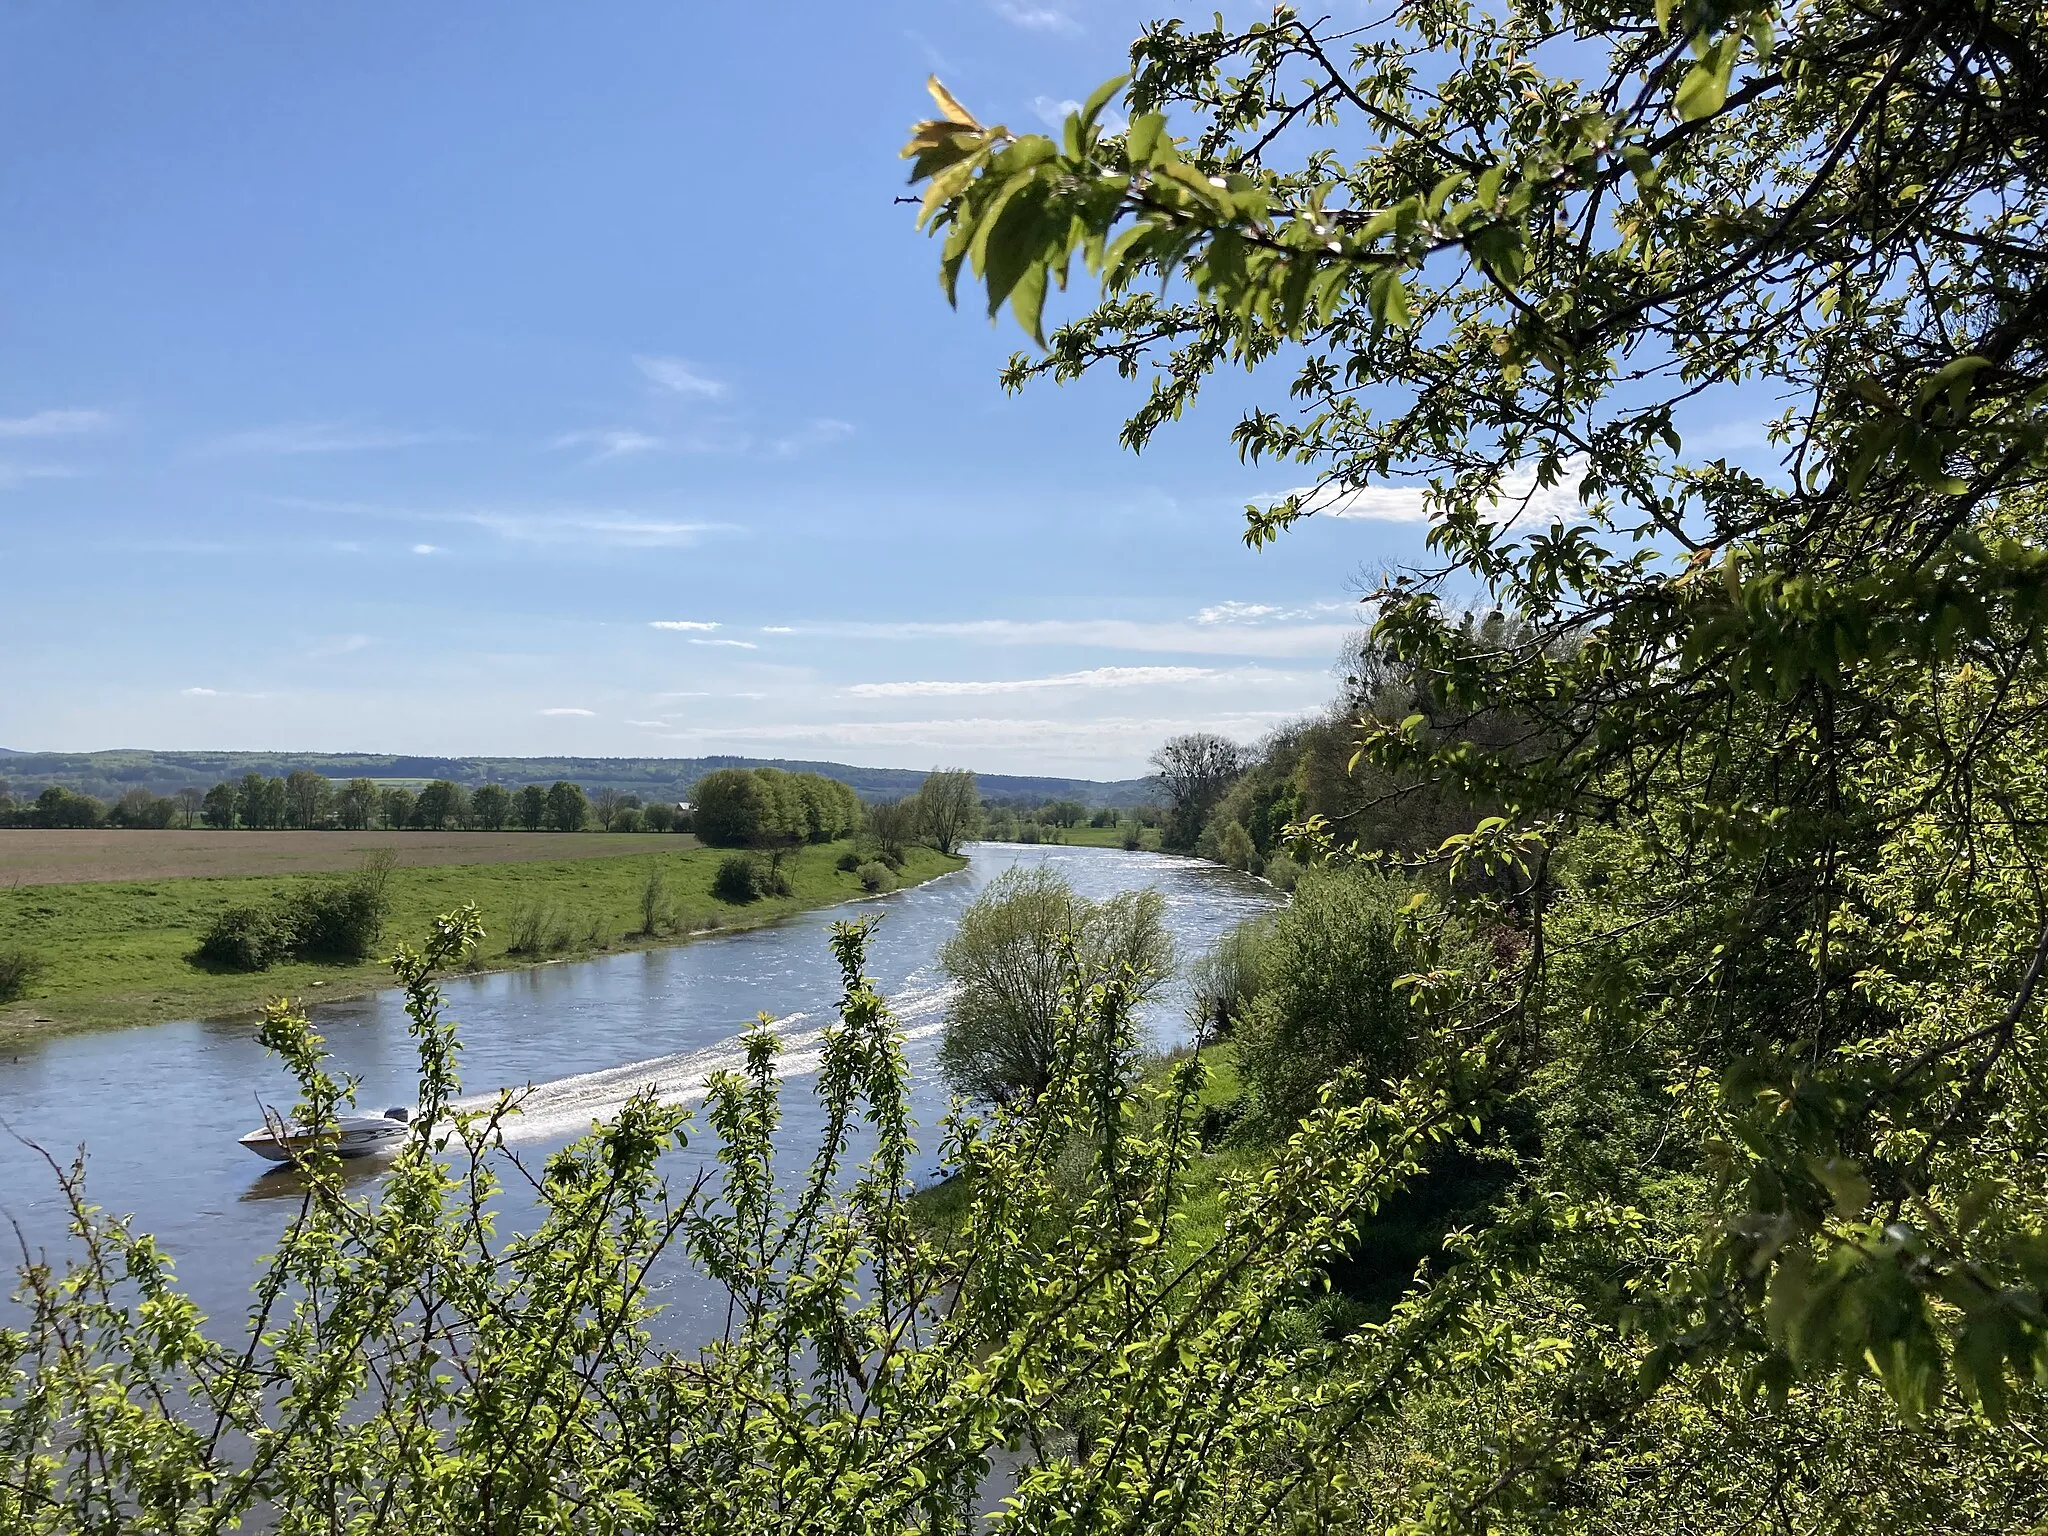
pixel 109 775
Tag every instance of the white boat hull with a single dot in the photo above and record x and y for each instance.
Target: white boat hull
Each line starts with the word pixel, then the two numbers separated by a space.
pixel 355 1137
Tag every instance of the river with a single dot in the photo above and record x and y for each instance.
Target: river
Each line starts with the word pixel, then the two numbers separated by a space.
pixel 157 1108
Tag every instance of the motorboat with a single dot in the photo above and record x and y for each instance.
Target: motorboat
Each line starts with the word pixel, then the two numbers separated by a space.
pixel 351 1136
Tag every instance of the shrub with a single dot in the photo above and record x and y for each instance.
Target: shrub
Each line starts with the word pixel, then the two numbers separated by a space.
pixel 1327 1000
pixel 626 818
pixel 1134 838
pixel 1235 848
pixel 876 876
pixel 1230 977
pixel 538 926
pixel 774 880
pixel 658 817
pixel 657 911
pixel 333 920
pixel 250 938
pixel 848 862
pixel 1019 949
pixel 19 970
pixel 344 920
pixel 738 879
pixel 1283 872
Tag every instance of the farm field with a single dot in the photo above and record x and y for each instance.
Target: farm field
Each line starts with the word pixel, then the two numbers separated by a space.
pixel 35 857
pixel 121 952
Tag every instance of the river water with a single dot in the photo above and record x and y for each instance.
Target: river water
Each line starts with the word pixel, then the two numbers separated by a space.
pixel 157 1108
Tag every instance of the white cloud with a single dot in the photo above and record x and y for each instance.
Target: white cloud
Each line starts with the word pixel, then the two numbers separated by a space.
pixel 1037 18
pixel 819 433
pixel 679 377
pixel 319 437
pixel 1263 640
pixel 683 624
pixel 1521 503
pixel 339 645
pixel 609 528
pixel 55 424
pixel 1236 613
pixel 1260 613
pixel 608 442
pixel 738 645
pixel 1094 677
pixel 1114 746
pixel 587 713
pixel 200 693
pixel 777 629
pixel 15 474
pixel 1052 113
pixel 426 549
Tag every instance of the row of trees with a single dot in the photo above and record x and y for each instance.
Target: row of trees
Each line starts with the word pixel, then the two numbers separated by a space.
pixel 768 807
pixel 309 801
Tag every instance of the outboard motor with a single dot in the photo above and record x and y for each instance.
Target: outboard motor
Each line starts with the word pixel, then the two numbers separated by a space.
pixel 402 1116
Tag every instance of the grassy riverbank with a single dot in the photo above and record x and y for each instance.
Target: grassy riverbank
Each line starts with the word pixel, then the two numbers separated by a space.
pixel 121 952
pixel 1092 837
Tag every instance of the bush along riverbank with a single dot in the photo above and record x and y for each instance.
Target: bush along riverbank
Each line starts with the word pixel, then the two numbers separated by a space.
pixel 138 952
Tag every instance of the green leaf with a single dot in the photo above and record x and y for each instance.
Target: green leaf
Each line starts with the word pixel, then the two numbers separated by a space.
pixel 1388 297
pixel 1100 97
pixel 1704 91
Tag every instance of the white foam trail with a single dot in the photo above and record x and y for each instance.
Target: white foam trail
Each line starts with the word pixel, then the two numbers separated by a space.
pixel 569 1106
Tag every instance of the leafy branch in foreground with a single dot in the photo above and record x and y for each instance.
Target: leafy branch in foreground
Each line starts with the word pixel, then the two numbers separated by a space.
pixel 404 1369
pixel 1764 726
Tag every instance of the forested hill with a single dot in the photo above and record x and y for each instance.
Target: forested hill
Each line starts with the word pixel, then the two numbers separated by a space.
pixel 109 775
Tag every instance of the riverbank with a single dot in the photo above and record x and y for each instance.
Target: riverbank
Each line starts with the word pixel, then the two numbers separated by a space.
pixel 120 952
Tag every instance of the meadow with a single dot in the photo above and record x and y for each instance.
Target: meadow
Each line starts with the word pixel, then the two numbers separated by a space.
pixel 121 951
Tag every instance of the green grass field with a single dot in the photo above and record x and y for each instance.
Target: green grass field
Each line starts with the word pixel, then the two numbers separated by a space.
pixel 121 952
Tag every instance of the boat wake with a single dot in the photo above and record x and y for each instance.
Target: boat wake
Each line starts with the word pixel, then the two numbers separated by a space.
pixel 567 1107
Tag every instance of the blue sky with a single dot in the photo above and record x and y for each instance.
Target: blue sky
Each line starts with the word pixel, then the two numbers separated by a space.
pixel 521 378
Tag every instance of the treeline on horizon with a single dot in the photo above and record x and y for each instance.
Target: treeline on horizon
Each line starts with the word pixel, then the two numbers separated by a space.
pixel 309 802
pixel 109 776
pixel 748 808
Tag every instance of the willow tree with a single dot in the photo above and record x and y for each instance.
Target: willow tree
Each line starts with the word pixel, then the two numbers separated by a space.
pixel 1766 882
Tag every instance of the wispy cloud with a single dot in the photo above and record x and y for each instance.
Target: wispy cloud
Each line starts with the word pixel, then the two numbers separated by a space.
pixel 821 432
pixel 608 442
pixel 1113 744
pixel 607 528
pixel 678 377
pixel 55 424
pixel 587 713
pixel 1189 636
pixel 319 437
pixel 20 474
pixel 219 693
pixel 1038 18
pixel 1094 677
pixel 738 645
pixel 338 645
pixel 1521 503
pixel 427 549
pixel 777 629
pixel 1263 613
pixel 1054 112
pixel 683 624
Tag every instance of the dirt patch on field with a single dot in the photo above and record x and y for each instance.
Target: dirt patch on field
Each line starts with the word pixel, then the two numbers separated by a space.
pixel 29 857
